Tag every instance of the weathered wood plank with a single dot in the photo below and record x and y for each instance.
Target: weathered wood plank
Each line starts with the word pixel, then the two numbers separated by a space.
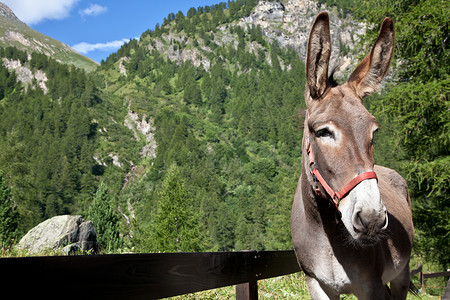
pixel 247 291
pixel 438 274
pixel 141 276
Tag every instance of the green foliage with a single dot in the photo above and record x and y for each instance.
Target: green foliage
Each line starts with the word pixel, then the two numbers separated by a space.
pixel 423 120
pixel 228 143
pixel 8 80
pixel 47 140
pixel 227 135
pixel 9 216
pixel 105 219
pixel 232 132
pixel 176 225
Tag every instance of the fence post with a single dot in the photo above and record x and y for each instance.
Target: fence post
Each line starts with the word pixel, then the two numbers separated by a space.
pixel 422 280
pixel 421 275
pixel 446 295
pixel 247 291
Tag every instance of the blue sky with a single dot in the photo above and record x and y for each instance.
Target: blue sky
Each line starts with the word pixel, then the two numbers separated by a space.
pixel 97 28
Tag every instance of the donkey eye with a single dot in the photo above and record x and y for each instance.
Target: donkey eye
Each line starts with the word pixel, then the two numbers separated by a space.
pixel 324 133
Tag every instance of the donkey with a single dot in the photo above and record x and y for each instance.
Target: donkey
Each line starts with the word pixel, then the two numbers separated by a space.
pixel 351 220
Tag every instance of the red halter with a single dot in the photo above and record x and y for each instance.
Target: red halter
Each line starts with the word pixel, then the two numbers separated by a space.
pixel 336 197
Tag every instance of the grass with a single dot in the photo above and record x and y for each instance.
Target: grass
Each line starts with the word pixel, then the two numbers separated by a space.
pixel 434 287
pixel 287 287
pixel 284 287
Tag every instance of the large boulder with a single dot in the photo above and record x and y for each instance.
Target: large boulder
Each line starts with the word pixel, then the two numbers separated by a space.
pixel 63 234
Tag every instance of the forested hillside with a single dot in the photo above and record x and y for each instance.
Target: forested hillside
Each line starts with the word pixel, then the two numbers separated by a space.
pixel 189 138
pixel 47 138
pixel 227 134
pixel 214 147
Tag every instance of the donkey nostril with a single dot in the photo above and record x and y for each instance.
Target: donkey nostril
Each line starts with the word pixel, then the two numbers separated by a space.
pixel 358 224
pixel 365 221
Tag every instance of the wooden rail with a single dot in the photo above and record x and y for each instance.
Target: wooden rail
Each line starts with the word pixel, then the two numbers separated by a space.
pixel 423 276
pixel 142 276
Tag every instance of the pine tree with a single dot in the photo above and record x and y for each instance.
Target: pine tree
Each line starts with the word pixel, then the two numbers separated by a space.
pixel 105 220
pixel 9 216
pixel 177 226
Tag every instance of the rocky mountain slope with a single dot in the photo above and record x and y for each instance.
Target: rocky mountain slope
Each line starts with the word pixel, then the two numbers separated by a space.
pixel 288 23
pixel 14 32
pixel 285 22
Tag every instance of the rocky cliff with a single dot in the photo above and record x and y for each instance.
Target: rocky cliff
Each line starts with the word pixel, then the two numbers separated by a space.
pixel 287 22
pixel 26 75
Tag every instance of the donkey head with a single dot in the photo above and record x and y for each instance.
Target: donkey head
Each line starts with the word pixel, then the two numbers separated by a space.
pixel 340 130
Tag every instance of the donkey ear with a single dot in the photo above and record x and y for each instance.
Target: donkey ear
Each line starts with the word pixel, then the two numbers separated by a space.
pixel 370 72
pixel 318 57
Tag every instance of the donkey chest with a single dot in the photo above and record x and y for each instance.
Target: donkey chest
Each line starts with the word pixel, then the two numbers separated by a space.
pixel 329 271
pixel 316 254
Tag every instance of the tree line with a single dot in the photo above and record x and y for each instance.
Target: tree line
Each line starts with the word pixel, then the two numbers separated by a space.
pixel 47 139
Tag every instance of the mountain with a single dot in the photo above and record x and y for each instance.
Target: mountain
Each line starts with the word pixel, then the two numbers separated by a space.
pixel 14 32
pixel 216 97
pixel 286 23
pixel 194 129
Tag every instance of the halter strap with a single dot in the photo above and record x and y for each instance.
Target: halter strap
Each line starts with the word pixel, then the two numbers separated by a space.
pixel 337 196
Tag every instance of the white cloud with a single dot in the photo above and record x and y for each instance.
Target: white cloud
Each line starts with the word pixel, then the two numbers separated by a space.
pixel 93 10
pixel 36 11
pixel 85 48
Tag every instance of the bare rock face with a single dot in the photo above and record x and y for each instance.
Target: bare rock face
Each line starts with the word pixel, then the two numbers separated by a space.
pixel 65 234
pixel 26 75
pixel 284 22
pixel 289 24
pixel 142 126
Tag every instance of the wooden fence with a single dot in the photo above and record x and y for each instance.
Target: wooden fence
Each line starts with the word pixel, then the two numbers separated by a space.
pixel 148 276
pixel 423 276
pixel 141 276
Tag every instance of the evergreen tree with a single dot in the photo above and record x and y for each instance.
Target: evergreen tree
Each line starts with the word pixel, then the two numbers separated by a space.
pixel 227 147
pixel 9 216
pixel 192 93
pixel 8 82
pixel 177 224
pixel 105 220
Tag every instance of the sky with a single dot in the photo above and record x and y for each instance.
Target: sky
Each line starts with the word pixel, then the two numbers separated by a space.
pixel 97 28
